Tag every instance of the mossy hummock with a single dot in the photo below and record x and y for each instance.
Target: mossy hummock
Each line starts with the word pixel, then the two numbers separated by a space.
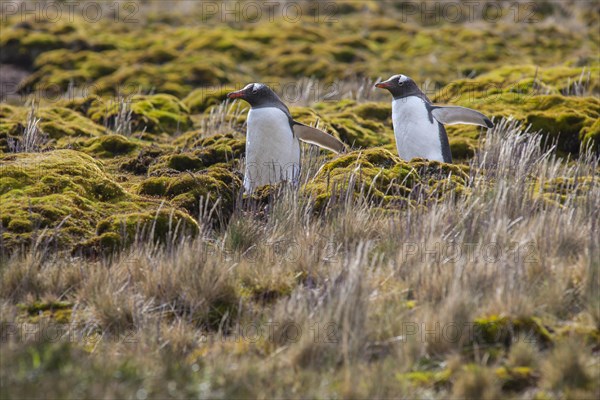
pixel 58 197
pixel 384 179
pixel 161 113
pixel 215 186
pixel 538 98
pixel 61 127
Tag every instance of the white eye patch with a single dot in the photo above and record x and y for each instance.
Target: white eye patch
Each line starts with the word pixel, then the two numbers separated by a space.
pixel 255 87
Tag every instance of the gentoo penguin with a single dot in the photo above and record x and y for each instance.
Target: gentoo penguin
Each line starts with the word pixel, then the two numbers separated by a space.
pixel 272 146
pixel 419 125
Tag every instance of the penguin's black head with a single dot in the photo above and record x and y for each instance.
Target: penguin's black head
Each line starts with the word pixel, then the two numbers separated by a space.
pixel 257 94
pixel 400 86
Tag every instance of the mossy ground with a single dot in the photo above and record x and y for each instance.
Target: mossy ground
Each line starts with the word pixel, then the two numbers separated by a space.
pixel 129 227
pixel 59 198
pixel 383 179
pixel 156 114
pixel 521 93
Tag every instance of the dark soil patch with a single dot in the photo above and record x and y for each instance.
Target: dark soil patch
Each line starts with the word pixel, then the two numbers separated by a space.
pixel 10 77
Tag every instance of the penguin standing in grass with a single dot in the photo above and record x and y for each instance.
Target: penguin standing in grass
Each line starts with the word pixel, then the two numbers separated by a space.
pixel 419 125
pixel 272 138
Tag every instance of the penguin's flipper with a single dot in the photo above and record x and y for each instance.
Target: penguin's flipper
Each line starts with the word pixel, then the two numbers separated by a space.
pixel 450 115
pixel 315 136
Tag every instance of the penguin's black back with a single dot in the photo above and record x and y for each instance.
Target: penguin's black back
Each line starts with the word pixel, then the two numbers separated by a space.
pixel 446 153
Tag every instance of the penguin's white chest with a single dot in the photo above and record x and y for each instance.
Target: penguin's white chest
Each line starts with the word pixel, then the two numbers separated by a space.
pixel 272 151
pixel 416 135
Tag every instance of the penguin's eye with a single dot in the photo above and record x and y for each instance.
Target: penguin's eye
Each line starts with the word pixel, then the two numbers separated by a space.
pixel 400 83
pixel 254 90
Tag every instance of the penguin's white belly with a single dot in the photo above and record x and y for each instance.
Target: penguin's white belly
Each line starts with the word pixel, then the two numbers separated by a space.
pixel 272 151
pixel 416 135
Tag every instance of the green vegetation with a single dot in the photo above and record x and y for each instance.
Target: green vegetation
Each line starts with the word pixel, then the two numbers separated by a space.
pixel 57 198
pixel 160 113
pixel 504 330
pixel 110 146
pixel 569 121
pixel 360 125
pixel 126 238
pixel 383 179
pixel 200 100
pixel 190 191
pixel 61 126
pixel 202 153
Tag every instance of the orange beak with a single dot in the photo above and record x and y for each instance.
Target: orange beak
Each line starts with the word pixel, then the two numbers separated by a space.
pixel 235 95
pixel 382 85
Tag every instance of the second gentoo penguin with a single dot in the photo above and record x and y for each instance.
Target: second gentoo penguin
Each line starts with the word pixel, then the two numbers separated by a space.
pixel 419 125
pixel 272 138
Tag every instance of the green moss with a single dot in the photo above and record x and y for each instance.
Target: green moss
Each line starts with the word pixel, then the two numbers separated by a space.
pixel 437 379
pixel 358 133
pixel 558 190
pixel 153 114
pixel 377 111
pixel 58 311
pixel 518 79
pixel 176 77
pixel 56 70
pixel 462 149
pixel 516 379
pixel 359 125
pixel 157 55
pixel 8 183
pixel 171 55
pixel 569 121
pixel 132 79
pixel 140 164
pixel 59 122
pixel 58 197
pixel 381 178
pixel 503 330
pixel 591 136
pixel 564 128
pixel 186 190
pixel 79 104
pixel 60 126
pixel 265 292
pixel 204 152
pixel 62 316
pixel 110 146
pixel 110 241
pixel 38 306
pixel 154 186
pixel 201 99
pixel 18 225
pixel 219 149
pixel 59 172
pixel 263 195
pixel 23 46
pixel 302 62
pixel 184 162
pixel 124 229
